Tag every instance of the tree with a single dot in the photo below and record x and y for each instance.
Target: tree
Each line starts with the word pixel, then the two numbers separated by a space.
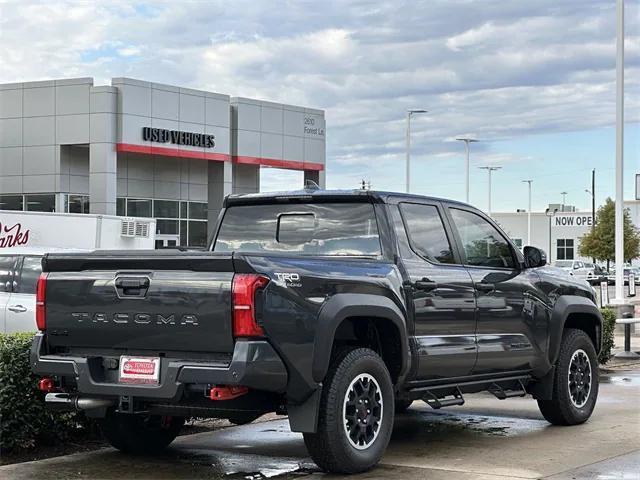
pixel 599 243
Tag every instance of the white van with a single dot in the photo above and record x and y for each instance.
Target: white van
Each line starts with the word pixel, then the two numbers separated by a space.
pixel 19 272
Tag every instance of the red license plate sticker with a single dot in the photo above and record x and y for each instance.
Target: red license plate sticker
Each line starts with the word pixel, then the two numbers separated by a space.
pixel 144 370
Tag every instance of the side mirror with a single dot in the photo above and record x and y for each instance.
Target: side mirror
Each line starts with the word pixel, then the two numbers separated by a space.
pixel 534 257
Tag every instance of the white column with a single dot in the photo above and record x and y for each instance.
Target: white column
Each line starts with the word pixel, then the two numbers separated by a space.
pixel 102 150
pixel 408 153
pixel 619 233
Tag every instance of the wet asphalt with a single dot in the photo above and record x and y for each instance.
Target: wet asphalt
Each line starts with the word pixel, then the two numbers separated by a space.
pixel 484 439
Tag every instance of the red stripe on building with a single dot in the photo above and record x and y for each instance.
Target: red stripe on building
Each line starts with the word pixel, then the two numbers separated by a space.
pixel 220 157
pixel 171 152
pixel 273 162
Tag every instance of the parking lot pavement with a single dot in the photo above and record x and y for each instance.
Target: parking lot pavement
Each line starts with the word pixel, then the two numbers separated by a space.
pixel 485 439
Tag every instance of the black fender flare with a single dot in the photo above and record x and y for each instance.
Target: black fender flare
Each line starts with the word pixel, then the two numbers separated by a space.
pixel 565 306
pixel 346 305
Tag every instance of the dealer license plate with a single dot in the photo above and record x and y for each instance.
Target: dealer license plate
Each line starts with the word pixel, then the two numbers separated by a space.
pixel 143 370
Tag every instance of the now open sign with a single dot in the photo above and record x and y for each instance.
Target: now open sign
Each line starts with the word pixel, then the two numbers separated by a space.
pixel 573 220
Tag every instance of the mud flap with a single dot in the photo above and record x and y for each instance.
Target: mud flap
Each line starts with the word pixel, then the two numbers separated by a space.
pixel 542 388
pixel 303 417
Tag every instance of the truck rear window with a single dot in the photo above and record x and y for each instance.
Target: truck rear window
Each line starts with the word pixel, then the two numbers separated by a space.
pixel 304 229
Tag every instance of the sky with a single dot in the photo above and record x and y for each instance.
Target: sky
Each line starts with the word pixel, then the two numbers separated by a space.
pixel 534 81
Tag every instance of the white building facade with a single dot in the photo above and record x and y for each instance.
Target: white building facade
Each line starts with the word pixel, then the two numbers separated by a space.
pixel 146 149
pixel 557 234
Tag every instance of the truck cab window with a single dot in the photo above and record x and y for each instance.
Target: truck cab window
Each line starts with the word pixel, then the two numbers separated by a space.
pixel 482 243
pixel 427 235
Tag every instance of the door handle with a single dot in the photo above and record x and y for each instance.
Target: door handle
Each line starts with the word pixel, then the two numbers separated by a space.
pixel 485 287
pixel 425 284
pixel 17 309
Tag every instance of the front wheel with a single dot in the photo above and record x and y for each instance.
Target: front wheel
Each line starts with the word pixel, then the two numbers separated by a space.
pixel 140 434
pixel 576 381
pixel 356 413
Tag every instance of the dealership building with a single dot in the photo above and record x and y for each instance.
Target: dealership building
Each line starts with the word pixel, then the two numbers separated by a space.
pixel 143 149
pixel 558 230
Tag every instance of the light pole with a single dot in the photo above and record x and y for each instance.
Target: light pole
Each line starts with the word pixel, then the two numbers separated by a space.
pixel 489 169
pixel 619 234
pixel 466 141
pixel 529 213
pixel 550 214
pixel 408 134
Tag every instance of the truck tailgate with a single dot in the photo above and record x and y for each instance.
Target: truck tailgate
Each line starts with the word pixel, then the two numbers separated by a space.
pixel 176 302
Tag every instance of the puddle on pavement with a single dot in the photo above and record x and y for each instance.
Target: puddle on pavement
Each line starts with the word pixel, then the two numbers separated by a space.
pixel 429 426
pixel 625 380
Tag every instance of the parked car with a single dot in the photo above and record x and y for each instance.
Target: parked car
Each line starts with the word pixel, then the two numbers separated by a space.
pixel 19 272
pixel 611 277
pixel 338 309
pixel 575 268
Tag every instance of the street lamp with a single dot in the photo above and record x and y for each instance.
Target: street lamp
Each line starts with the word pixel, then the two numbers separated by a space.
pixel 490 169
pixel 550 214
pixel 466 141
pixel 529 213
pixel 619 213
pixel 408 134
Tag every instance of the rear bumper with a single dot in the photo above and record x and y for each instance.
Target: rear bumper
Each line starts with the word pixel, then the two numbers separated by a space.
pixel 254 364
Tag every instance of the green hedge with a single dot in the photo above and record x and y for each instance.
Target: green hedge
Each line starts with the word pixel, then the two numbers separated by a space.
pixel 24 421
pixel 608 327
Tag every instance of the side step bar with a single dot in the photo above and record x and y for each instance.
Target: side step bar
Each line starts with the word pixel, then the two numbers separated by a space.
pixel 435 402
pixel 501 393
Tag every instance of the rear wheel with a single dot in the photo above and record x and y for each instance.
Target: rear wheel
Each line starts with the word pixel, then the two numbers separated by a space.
pixel 140 434
pixel 575 387
pixel 356 413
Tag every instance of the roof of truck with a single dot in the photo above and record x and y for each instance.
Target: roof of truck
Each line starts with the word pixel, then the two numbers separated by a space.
pixel 326 195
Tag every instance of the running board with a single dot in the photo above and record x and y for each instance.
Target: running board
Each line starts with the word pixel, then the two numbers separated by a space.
pixel 436 403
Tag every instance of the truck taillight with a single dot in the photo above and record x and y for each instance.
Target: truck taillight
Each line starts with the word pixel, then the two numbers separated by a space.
pixel 245 286
pixel 41 291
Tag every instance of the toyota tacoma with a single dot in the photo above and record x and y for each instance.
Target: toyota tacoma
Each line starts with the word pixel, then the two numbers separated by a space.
pixel 336 308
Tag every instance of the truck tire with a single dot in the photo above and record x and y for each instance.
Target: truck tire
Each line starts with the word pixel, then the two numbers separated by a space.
pixel 576 381
pixel 356 413
pixel 140 434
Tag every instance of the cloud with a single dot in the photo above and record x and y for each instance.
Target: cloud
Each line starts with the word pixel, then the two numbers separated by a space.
pixel 502 70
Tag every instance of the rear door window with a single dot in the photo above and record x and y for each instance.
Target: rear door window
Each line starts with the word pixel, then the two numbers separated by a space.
pixel 7 264
pixel 426 232
pixel 305 229
pixel 28 275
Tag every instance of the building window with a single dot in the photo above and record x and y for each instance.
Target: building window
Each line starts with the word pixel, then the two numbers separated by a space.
pixel 11 202
pixel 40 203
pixel 197 210
pixel 167 227
pixel 121 206
pixel 77 204
pixel 565 249
pixel 197 234
pixel 138 207
pixel 165 209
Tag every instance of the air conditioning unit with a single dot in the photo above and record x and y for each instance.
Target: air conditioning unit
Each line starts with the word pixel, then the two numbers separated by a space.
pixel 134 228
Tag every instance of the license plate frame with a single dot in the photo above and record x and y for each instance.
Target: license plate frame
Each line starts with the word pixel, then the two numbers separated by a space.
pixel 139 370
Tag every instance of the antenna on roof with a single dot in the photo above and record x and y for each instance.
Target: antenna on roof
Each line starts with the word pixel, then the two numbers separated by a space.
pixel 311 185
